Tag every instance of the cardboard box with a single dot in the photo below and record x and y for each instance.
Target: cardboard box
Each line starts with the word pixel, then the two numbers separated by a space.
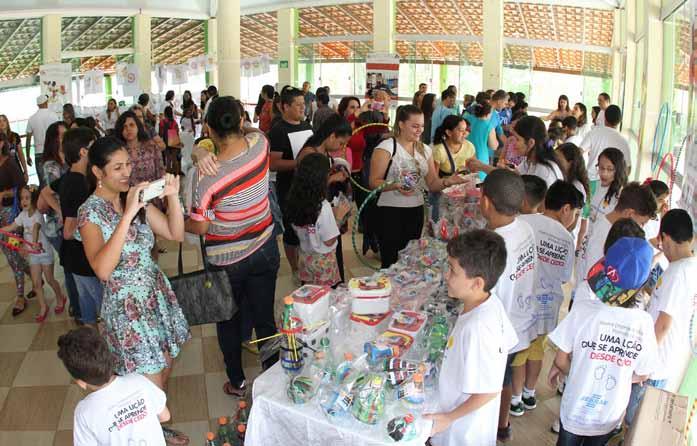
pixel 661 420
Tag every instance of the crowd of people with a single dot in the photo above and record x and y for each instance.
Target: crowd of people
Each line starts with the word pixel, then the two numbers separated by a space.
pixel 558 205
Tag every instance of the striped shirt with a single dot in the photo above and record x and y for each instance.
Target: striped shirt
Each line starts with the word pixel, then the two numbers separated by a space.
pixel 236 203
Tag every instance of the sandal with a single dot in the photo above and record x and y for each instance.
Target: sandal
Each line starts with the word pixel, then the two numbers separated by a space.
pixel 174 438
pixel 42 316
pixel 17 310
pixel 235 391
pixel 61 306
pixel 31 294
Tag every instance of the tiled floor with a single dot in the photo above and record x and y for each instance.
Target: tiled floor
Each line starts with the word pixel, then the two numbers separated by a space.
pixel 37 398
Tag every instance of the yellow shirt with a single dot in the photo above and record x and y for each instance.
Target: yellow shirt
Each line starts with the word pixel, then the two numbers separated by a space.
pixel 460 158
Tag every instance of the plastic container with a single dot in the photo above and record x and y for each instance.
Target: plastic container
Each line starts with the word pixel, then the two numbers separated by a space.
pixel 408 322
pixel 311 303
pixel 393 338
pixel 301 389
pixel 370 296
pixel 369 402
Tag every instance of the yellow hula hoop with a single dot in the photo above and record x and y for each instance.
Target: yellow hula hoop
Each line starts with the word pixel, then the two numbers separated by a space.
pixel 372 124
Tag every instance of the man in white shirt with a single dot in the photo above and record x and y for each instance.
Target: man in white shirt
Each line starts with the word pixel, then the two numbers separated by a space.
pixel 36 126
pixel 603 103
pixel 604 345
pixel 602 137
pixel 671 301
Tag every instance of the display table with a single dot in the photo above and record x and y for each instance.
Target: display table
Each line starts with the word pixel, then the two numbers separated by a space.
pixel 276 421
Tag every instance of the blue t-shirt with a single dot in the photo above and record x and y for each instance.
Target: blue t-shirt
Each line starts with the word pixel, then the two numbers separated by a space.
pixel 439 115
pixel 479 136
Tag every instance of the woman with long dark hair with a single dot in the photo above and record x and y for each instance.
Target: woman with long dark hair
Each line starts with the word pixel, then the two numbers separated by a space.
pixel 54 168
pixel 143 323
pixel 428 106
pixel 583 125
pixel 146 158
pixel 169 132
pixel 107 119
pixel 562 110
pixel 349 108
pixel 263 112
pixel 14 146
pixel 573 166
pixel 188 103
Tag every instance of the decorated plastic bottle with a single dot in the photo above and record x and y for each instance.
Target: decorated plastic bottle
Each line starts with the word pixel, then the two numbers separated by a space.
pixel 224 433
pixel 323 366
pixel 411 392
pixel 292 359
pixel 369 402
pixel 402 428
pixel 210 439
pixel 242 413
pixel 344 368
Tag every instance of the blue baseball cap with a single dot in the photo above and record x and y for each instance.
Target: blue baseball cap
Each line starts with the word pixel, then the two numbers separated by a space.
pixel 616 278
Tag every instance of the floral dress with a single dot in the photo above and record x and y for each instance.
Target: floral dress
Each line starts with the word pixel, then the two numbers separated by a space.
pixel 143 320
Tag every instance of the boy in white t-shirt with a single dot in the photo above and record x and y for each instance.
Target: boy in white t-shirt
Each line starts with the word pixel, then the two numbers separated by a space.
pixel 636 202
pixel 502 197
pixel 120 410
pixel 535 191
pixel 469 404
pixel 604 345
pixel 671 306
pixel 555 260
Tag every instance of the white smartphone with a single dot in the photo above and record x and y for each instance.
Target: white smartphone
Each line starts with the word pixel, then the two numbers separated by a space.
pixel 153 190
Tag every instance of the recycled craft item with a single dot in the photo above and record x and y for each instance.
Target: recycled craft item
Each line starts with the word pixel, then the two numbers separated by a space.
pixel 291 354
pixel 301 389
pixel 369 402
pixel 402 428
pixel 398 370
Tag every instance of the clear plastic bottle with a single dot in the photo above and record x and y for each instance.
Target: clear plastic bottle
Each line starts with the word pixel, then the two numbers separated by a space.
pixel 224 433
pixel 291 354
pixel 210 439
pixel 323 365
pixel 242 413
pixel 344 368
pixel 241 432
pixel 412 393
pixel 369 402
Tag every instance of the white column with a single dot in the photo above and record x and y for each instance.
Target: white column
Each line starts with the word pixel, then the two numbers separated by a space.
pixel 287 53
pixel 229 48
pixel 492 70
pixel 617 43
pixel 384 26
pixel 51 39
pixel 212 49
pixel 142 42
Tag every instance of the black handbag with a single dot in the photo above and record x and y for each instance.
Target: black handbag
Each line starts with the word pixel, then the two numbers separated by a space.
pixel 204 296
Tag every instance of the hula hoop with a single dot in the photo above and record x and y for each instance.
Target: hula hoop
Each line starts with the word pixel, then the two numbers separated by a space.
pixel 36 248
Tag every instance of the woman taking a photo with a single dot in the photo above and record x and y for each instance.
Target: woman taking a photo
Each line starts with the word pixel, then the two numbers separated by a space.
pixel 143 323
pixel 238 232
pixel 406 164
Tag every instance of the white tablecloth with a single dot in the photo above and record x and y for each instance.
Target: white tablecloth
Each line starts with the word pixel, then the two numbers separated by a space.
pixel 276 421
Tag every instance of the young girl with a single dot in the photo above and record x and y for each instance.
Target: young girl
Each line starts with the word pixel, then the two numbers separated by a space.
pixel 662 192
pixel 40 264
pixel 315 221
pixel 573 166
pixel 612 169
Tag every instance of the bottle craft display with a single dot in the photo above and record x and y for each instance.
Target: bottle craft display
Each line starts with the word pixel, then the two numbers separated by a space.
pixel 291 356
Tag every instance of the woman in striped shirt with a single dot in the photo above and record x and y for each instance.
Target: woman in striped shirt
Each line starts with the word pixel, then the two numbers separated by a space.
pixel 231 207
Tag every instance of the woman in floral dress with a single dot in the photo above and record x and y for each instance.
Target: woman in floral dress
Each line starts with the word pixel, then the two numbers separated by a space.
pixel 144 325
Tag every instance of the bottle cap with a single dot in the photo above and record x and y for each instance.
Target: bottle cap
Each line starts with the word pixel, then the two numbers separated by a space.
pixel 409 418
pixel 226 444
pixel 241 428
pixel 348 356
pixel 395 350
pixel 288 300
pixel 418 377
pixel 222 421
pixel 210 436
pixel 242 404
pixel 324 342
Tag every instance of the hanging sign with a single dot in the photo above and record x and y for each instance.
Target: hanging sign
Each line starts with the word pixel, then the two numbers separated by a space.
pixel 382 73
pixel 93 81
pixel 56 82
pixel 131 84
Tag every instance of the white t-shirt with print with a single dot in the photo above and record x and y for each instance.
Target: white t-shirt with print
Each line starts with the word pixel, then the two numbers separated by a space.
pixel 599 205
pixel 675 294
pixel 516 286
pixel 123 413
pixel 479 341
pixel 599 139
pixel 555 262
pixel 402 162
pixel 27 222
pixel 547 173
pixel 593 248
pixel 608 346
pixel 312 237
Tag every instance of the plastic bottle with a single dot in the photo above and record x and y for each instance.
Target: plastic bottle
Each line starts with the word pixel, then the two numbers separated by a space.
pixel 224 433
pixel 210 439
pixel 412 393
pixel 344 368
pixel 242 413
pixel 323 365
pixel 241 432
pixel 369 402
pixel 291 356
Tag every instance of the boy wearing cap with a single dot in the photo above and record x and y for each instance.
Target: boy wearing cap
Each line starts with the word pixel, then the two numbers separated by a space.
pixel 670 305
pixel 604 346
pixel 468 406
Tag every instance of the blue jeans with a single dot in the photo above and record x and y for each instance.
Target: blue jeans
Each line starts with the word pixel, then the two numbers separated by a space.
pixel 253 282
pixel 91 292
pixel 566 438
pixel 637 396
pixel 70 287
pixel 434 202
